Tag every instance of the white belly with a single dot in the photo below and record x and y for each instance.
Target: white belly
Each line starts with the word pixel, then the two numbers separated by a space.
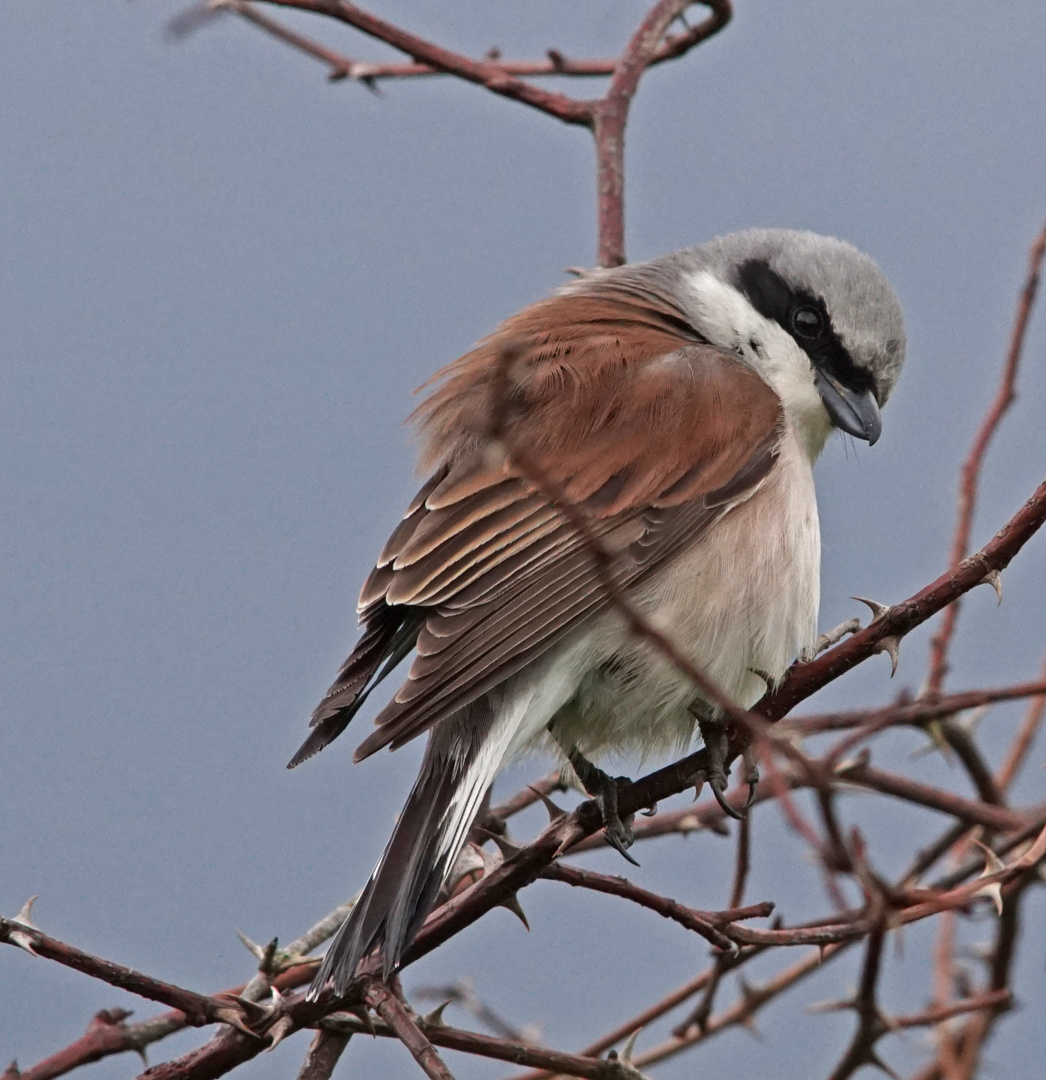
pixel 743 600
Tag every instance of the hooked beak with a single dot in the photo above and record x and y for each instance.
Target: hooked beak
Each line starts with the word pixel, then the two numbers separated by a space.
pixel 855 412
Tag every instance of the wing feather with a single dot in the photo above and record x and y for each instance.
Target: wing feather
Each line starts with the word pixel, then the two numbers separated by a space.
pixel 654 433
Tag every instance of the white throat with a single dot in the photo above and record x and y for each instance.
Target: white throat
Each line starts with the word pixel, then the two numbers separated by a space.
pixel 725 316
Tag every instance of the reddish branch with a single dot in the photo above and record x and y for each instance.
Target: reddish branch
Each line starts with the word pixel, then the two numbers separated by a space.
pixel 385 1003
pixel 914 713
pixel 705 923
pixel 971 469
pixel 606 116
pixel 198 1009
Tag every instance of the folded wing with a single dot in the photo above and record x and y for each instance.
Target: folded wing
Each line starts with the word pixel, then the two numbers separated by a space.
pixel 651 431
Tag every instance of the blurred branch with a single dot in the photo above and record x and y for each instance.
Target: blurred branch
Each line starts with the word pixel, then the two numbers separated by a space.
pixel 971 469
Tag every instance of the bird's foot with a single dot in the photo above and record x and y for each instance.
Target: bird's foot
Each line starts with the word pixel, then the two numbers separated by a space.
pixel 716 772
pixel 603 789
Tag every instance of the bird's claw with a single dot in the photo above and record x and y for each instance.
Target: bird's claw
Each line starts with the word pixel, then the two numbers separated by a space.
pixel 603 789
pixel 713 734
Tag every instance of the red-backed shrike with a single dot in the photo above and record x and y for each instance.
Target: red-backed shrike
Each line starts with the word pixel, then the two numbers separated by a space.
pixel 681 404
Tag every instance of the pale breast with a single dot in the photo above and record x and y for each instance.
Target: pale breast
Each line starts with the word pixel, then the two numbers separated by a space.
pixel 741 603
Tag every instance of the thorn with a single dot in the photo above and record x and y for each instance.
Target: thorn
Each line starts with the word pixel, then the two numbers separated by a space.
pixel 12 1072
pixel 233 1016
pixel 25 916
pixel 992 864
pixel 556 57
pixel 279 1031
pixel 435 1018
pixel 140 1051
pixel 842 1005
pixel 251 946
pixel 630 1045
pixel 699 783
pixel 555 813
pixel 891 645
pixel 277 997
pixel 878 610
pixel 994 579
pixel 877 1062
pixel 935 742
pixel 505 846
pixel 564 846
pixel 512 904
pixel 359 1010
pixel 493 53
pixel 240 1013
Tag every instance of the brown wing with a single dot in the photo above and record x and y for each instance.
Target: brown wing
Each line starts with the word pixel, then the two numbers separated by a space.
pixel 653 432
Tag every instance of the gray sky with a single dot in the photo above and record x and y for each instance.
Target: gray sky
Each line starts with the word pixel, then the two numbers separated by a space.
pixel 220 280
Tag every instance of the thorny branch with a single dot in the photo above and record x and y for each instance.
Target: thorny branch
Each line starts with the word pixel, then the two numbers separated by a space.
pixel 606 117
pixel 971 469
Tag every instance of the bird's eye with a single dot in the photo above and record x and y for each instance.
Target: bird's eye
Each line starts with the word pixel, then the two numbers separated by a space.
pixel 807 322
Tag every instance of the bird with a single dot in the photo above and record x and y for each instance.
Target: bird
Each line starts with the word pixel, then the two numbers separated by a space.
pixel 677 404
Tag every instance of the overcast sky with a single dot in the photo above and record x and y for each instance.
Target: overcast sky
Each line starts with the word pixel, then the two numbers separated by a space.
pixel 220 280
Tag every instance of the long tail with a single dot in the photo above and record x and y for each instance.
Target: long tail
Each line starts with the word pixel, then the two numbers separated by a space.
pixel 463 754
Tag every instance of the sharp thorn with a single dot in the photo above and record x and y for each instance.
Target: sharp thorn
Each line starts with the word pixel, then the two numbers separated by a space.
pixel 626 1051
pixel 878 610
pixel 251 946
pixel 877 1062
pixel 25 916
pixel 994 579
pixel 279 1031
pixel 361 1013
pixel 555 813
pixel 512 904
pixel 891 645
pixel 435 1018
pixel 505 846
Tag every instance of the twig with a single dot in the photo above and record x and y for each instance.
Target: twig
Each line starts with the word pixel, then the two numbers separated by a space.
pixel 910 712
pixel 610 115
pixel 551 1062
pixel 871 1025
pixel 607 116
pixel 743 1011
pixel 971 469
pixel 1022 743
pixel 484 73
pixel 198 1009
pixel 705 923
pixel 323 1053
pixel 385 1003
pixel 901 787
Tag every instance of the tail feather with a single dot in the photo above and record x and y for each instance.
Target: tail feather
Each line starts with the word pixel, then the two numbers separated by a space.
pixel 459 766
pixel 389 636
